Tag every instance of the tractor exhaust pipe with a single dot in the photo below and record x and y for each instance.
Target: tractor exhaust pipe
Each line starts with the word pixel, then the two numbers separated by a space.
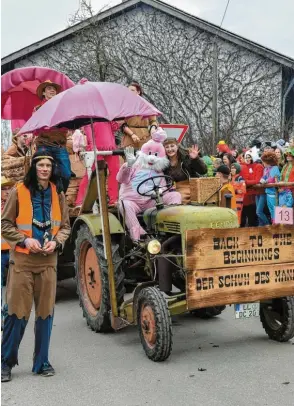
pixel 165 267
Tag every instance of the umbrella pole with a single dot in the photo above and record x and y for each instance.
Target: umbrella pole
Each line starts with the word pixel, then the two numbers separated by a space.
pixel 103 210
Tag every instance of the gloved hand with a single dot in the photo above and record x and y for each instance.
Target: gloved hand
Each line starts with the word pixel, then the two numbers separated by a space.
pixel 130 156
pixel 262 180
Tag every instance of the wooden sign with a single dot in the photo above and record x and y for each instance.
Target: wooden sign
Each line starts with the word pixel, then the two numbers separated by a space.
pixel 227 266
pixel 239 285
pixel 225 248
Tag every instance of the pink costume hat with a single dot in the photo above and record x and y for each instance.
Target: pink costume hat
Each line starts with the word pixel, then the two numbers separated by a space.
pixel 154 145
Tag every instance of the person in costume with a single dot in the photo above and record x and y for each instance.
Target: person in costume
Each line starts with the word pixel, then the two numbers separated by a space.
pixel 137 130
pixel 35 224
pixel 6 185
pixel 105 140
pixel 209 165
pixel 239 186
pixel 252 171
pixel 286 195
pixel 54 141
pixel 20 145
pixel 271 174
pixel 221 149
pixel 150 162
pixel 183 165
pixel 223 173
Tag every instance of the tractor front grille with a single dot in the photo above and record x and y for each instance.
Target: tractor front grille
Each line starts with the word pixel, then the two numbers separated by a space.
pixel 172 227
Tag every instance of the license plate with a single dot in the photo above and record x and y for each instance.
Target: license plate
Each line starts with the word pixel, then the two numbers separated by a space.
pixel 246 310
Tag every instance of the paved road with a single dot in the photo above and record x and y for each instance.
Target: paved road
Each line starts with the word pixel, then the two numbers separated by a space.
pixel 111 370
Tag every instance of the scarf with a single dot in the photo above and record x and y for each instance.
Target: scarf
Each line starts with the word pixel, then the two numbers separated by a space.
pixel 286 171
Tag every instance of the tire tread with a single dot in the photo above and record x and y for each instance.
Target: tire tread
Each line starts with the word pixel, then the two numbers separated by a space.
pixel 281 335
pixel 163 346
pixel 100 323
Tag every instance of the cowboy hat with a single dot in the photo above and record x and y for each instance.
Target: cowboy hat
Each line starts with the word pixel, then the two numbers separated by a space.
pixel 6 182
pixel 43 85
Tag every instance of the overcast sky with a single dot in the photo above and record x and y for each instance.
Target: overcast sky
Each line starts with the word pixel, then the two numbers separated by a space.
pixel 268 22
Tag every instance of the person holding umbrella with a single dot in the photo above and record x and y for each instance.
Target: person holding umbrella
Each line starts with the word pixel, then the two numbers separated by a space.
pixel 35 224
pixel 53 141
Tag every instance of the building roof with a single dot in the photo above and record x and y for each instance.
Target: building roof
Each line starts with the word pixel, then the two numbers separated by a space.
pixel 126 5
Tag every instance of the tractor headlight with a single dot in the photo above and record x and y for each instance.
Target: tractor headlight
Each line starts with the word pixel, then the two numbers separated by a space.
pixel 154 247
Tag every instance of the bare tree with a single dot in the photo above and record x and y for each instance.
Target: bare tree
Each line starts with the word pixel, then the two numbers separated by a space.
pixel 174 63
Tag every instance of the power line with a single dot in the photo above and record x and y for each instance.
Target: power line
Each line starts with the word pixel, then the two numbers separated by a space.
pixel 224 15
pixel 215 82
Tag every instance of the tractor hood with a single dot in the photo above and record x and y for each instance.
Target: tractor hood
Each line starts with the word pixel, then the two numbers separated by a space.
pixel 178 219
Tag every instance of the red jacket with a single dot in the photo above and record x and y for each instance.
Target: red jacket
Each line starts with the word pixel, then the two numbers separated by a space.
pixel 252 173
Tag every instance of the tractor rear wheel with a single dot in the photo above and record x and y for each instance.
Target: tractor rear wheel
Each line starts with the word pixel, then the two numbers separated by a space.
pixel 154 322
pixel 92 279
pixel 208 312
pixel 277 318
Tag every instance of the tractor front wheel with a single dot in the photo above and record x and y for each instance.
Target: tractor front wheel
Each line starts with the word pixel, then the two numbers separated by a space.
pixel 277 318
pixel 154 322
pixel 92 279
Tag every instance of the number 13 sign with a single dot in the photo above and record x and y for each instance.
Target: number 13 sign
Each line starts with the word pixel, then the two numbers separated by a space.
pixel 283 215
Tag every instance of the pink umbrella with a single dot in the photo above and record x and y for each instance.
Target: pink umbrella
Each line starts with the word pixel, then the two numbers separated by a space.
pixel 18 91
pixel 86 102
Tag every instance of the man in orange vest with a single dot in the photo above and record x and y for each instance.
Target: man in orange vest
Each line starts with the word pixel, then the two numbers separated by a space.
pixel 6 185
pixel 35 224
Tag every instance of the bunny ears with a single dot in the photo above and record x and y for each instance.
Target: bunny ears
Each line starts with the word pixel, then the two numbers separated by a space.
pixel 159 135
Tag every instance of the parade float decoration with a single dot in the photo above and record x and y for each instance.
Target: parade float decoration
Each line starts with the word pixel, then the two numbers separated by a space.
pixel 18 100
pixel 197 248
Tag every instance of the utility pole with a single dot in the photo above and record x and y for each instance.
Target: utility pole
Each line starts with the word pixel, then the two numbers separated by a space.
pixel 291 84
pixel 214 96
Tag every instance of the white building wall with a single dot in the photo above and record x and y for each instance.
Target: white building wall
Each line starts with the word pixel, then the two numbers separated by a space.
pixel 174 63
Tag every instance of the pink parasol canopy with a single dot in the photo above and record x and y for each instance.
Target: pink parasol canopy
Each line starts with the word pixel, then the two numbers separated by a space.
pixel 18 91
pixel 97 101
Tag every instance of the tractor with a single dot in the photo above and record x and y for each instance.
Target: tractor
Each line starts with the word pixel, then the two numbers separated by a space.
pixel 195 259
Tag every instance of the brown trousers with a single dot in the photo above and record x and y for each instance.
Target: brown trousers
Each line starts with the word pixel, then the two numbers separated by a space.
pixel 24 287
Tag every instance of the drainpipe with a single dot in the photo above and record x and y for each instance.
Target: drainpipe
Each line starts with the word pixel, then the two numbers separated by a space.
pixel 291 84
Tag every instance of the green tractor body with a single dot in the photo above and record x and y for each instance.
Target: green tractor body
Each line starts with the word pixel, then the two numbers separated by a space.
pixel 179 219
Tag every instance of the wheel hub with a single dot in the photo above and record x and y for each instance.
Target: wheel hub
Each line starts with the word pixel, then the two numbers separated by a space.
pixel 148 326
pixel 90 273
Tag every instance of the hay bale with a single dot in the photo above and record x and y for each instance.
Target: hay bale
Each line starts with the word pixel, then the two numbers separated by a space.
pixel 11 163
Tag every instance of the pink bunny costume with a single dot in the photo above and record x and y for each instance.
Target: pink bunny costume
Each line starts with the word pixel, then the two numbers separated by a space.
pixel 150 162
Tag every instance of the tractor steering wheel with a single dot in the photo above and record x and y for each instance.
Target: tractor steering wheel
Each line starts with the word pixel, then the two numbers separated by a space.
pixel 154 186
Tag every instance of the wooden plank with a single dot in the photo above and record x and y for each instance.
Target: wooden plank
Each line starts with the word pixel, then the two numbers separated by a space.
pixel 91 194
pixel 226 248
pixel 206 288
